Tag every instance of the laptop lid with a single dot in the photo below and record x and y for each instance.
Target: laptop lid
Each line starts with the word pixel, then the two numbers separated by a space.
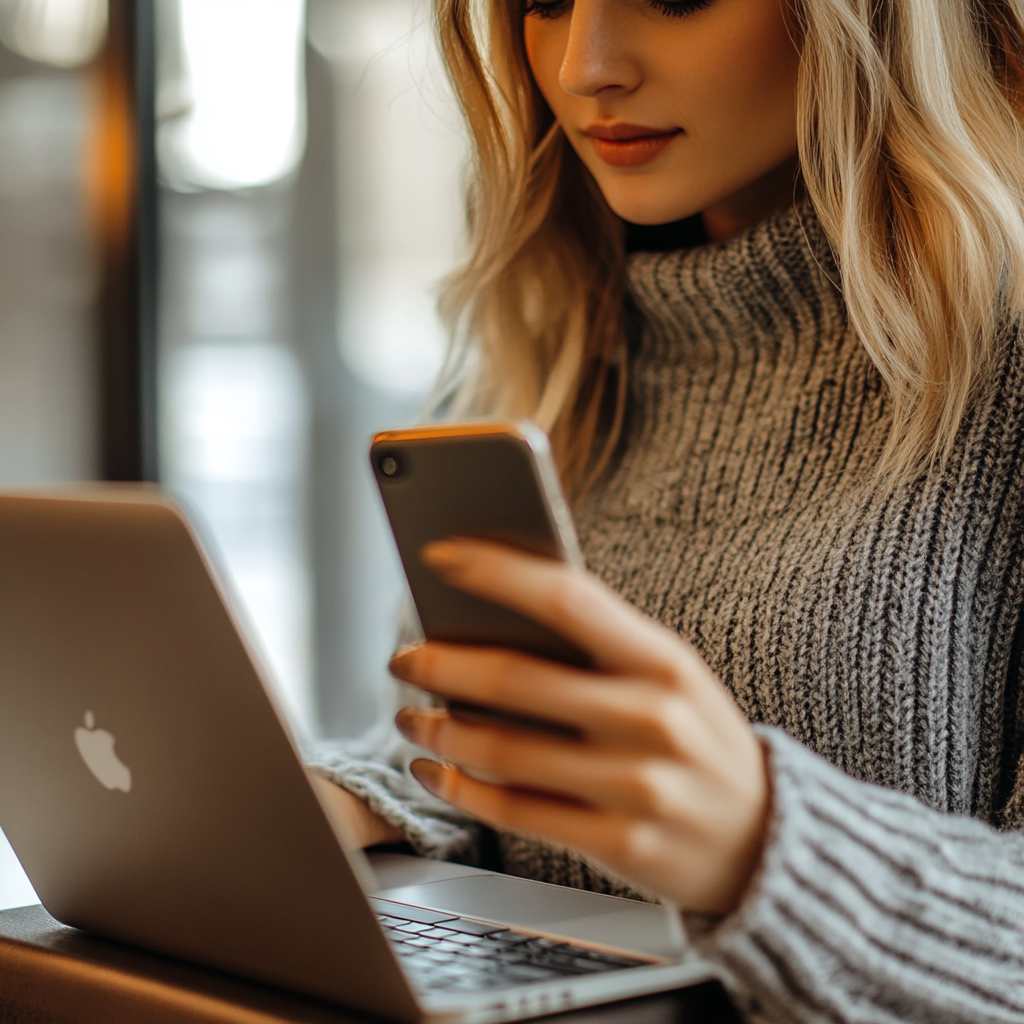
pixel 148 783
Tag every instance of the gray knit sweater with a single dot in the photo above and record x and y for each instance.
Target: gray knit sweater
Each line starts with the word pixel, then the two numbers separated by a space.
pixel 873 636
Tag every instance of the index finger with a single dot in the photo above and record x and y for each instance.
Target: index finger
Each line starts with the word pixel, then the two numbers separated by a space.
pixel 569 601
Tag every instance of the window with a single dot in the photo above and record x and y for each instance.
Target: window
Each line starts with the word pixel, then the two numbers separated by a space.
pixel 311 164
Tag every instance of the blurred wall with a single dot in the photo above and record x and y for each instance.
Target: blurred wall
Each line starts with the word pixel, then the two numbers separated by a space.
pixel 47 276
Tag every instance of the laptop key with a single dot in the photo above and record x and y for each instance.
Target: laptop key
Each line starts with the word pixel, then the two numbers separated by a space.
pixel 450 947
pixel 574 964
pixel 616 961
pixel 497 948
pixel 440 981
pixel 473 927
pixel 524 972
pixel 479 952
pixel 407 913
pixel 466 985
pixel 586 963
pixel 509 938
pixel 432 956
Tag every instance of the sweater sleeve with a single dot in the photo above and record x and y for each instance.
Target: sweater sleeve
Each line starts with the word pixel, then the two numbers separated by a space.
pixel 375 768
pixel 871 907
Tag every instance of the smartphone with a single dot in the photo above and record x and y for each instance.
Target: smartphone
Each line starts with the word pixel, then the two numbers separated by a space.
pixel 491 480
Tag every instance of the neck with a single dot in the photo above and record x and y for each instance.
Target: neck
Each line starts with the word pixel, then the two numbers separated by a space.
pixel 774 191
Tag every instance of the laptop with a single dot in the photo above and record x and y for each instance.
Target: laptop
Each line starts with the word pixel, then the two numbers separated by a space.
pixel 151 788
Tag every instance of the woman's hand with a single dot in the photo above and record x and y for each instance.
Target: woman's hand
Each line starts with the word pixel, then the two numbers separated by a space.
pixel 666 786
pixel 356 824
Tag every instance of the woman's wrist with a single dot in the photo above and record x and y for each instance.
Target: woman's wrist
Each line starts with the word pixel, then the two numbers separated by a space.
pixel 750 849
pixel 360 826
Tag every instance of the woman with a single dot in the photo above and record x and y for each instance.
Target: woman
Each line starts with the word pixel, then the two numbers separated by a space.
pixel 795 438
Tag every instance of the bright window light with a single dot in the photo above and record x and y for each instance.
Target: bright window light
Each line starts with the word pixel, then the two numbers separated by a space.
pixel 234 449
pixel 67 33
pixel 15 888
pixel 243 125
pixel 401 157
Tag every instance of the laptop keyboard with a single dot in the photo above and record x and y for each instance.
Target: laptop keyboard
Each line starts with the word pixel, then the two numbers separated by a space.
pixel 442 952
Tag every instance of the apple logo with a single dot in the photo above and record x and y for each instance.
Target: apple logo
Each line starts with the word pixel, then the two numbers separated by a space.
pixel 97 749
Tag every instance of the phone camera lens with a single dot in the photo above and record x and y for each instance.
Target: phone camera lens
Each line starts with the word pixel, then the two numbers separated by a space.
pixel 389 465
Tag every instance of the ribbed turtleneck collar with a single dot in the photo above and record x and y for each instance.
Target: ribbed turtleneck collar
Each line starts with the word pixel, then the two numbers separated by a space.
pixel 776 281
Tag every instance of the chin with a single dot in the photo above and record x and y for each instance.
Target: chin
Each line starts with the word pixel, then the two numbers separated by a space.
pixel 640 201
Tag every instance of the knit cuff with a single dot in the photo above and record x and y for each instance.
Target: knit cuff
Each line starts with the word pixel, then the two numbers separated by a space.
pixel 868 906
pixel 378 773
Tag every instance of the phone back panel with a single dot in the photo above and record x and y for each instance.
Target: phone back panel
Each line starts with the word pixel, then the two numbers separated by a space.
pixel 494 481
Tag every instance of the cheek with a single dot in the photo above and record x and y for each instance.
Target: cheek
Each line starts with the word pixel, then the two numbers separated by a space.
pixel 746 82
pixel 546 42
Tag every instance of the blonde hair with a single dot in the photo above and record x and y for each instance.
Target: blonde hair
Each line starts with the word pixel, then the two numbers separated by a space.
pixel 911 144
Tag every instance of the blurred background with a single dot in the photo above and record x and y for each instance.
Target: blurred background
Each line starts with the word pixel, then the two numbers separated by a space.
pixel 222 228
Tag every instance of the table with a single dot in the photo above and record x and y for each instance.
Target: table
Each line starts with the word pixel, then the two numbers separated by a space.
pixel 50 974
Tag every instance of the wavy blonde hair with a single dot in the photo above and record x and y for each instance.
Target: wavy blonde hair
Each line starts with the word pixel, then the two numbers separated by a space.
pixel 911 144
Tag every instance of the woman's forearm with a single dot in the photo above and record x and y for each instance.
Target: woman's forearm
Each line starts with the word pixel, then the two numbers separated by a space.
pixel 870 906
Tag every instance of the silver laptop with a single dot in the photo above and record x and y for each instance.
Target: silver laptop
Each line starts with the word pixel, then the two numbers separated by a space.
pixel 154 795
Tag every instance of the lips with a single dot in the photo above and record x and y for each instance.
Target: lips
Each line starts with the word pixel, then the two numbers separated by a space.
pixel 630 145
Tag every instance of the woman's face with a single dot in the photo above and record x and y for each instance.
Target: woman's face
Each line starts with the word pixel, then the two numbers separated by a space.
pixel 676 107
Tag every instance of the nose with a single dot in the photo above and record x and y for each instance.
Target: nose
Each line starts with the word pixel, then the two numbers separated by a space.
pixel 598 56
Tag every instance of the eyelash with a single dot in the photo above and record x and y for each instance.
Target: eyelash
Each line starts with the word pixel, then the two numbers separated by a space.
pixel 670 8
pixel 679 8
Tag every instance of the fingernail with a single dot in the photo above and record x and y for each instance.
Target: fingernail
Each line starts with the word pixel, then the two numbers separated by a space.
pixel 443 555
pixel 403 664
pixel 429 774
pixel 408 723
